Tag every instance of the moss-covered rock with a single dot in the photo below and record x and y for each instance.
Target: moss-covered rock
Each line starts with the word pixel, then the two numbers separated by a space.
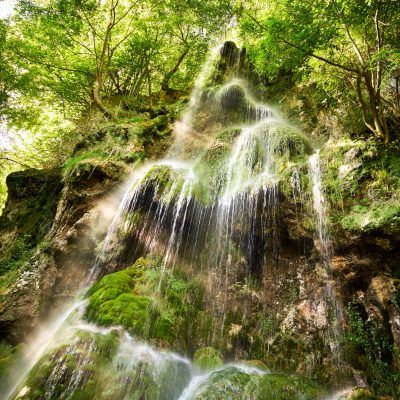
pixel 361 181
pixel 106 366
pixel 283 387
pixel 148 301
pixel 127 140
pixel 384 217
pixel 245 384
pixel 116 300
pixel 207 359
pixel 210 170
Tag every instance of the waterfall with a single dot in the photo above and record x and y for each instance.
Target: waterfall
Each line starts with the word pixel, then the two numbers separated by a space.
pixel 320 207
pixel 210 205
pixel 40 343
pixel 325 249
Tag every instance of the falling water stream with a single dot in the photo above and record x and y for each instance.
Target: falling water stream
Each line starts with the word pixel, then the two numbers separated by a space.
pixel 240 205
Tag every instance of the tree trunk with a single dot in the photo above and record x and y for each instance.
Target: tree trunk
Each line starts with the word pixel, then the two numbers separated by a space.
pixel 97 98
pixel 173 70
pixel 381 129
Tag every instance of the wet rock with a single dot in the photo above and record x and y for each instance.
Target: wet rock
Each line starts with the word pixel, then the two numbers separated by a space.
pixel 207 359
pixel 246 383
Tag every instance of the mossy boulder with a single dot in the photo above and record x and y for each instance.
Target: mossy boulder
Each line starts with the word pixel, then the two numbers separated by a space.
pixel 148 301
pixel 74 369
pixel 207 359
pixel 284 387
pixel 116 300
pixel 166 183
pixel 107 366
pixel 241 383
pixel 289 142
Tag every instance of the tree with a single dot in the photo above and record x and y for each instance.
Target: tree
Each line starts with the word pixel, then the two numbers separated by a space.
pixel 75 42
pixel 358 38
pixel 85 51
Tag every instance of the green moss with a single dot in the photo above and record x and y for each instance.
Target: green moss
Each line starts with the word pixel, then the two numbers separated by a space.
pixel 71 164
pixel 10 358
pixel 361 181
pixel 148 301
pixel 106 366
pixel 229 135
pixel 229 383
pixel 236 384
pixel 114 301
pixel 283 387
pixel 126 140
pixel 87 357
pixel 289 142
pixel 29 213
pixel 385 217
pixel 257 364
pixel 17 254
pixel 210 170
pixel 207 359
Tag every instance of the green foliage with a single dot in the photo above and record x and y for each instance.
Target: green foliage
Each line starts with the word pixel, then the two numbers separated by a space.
pixel 145 42
pixel 347 48
pixel 368 348
pixel 16 255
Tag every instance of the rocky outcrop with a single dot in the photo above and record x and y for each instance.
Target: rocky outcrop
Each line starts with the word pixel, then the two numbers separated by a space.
pixel 27 218
pixel 53 218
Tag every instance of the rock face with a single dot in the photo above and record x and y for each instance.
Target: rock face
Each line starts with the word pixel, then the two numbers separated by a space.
pixel 27 218
pixel 52 220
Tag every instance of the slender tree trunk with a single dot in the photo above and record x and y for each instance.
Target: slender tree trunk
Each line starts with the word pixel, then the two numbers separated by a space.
pixel 102 64
pixel 381 129
pixel 173 70
pixel 97 97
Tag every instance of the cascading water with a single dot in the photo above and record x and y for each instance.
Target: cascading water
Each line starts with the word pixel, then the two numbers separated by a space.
pixel 211 206
pixel 325 249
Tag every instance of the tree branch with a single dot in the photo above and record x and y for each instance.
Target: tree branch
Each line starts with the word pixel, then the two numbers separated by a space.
pixel 307 52
pixel 16 162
